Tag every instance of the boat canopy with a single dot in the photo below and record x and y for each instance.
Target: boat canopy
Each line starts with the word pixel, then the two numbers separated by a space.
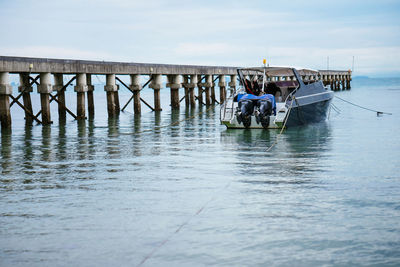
pixel 277 71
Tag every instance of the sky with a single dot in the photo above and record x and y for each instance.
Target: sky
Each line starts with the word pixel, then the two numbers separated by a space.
pixel 224 33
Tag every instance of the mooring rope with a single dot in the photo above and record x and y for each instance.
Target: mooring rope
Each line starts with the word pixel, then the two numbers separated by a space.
pixel 179 228
pixel 335 108
pixel 148 256
pixel 283 127
pixel 376 111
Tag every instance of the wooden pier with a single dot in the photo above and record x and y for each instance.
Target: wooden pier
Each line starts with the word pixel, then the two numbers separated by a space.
pixel 48 75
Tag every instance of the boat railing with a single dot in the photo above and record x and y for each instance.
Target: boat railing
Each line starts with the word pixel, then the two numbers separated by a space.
pixel 229 101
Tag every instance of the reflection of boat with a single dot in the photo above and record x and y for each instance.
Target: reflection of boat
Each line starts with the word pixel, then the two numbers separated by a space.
pixel 302 152
pixel 273 97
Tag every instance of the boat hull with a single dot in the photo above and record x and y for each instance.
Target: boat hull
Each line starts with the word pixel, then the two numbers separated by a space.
pixel 309 109
pixel 310 113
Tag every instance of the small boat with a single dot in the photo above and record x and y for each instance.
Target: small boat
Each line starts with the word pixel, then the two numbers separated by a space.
pixel 276 97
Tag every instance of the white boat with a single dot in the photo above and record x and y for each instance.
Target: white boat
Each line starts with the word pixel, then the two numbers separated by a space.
pixel 275 97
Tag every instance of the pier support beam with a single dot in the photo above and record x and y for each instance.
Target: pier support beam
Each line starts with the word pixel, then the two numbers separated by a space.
pixel 222 90
pixel 156 84
pixel 185 85
pixel 81 88
pixel 212 90
pixel 232 84
pixel 111 88
pixel 174 83
pixel 136 87
pixel 44 89
pixel 343 83
pixel 116 101
pixel 207 85
pixel 331 81
pixel 348 83
pixel 200 91
pixel 337 83
pixel 5 92
pixel 191 86
pixel 57 87
pixel 26 88
pixel 89 94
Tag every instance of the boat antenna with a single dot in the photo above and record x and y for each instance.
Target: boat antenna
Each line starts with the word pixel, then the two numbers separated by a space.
pixel 263 82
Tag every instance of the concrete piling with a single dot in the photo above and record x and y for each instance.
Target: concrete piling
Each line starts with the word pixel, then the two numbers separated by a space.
pixel 81 88
pixel 332 82
pixel 348 83
pixel 207 85
pixel 5 92
pixel 200 90
pixel 174 83
pixel 185 85
pixel 25 88
pixel 212 90
pixel 192 85
pixel 343 83
pixel 57 87
pixel 89 94
pixel 111 88
pixel 136 87
pixel 222 90
pixel 156 84
pixel 44 89
pixel 116 101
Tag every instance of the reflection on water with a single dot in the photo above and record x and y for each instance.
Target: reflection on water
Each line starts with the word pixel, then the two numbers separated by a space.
pixel 45 148
pixel 62 142
pixel 157 118
pixel 294 158
pixel 28 151
pixel 113 142
pixel 6 150
pixel 308 139
pixel 110 191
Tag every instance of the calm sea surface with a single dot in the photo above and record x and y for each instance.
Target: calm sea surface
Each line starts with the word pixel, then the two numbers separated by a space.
pixel 119 193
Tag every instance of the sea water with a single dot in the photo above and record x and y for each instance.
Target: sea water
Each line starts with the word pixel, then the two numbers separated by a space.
pixel 125 192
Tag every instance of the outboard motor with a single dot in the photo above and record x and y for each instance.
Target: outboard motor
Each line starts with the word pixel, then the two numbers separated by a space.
pixel 244 112
pixel 264 110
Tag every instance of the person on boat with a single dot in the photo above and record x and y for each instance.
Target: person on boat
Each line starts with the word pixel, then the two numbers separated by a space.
pixel 272 89
pixel 252 87
pixel 257 90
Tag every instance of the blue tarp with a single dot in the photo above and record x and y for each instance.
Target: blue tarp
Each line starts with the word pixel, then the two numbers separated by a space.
pixel 254 97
